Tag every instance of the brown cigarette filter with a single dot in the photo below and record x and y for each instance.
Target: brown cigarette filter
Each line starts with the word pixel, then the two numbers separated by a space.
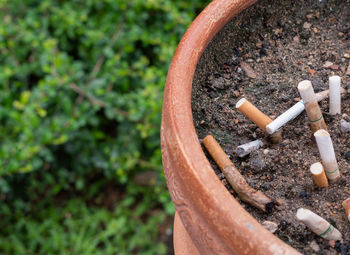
pixel 318 175
pixel 253 113
pixel 314 113
pixel 237 181
pixel 346 205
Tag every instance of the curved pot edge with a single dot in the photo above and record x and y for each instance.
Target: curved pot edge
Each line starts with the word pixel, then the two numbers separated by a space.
pixel 188 172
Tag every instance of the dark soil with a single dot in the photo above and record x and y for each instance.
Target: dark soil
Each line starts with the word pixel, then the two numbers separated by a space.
pixel 284 42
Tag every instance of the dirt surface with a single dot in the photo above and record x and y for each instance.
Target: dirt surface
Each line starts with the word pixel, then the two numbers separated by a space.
pixel 282 42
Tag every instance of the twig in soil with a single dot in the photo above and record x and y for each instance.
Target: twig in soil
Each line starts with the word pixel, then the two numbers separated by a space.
pixel 240 186
pixel 318 225
pixel 334 95
pixel 318 175
pixel 258 117
pixel 325 147
pixel 311 105
pixel 244 149
pixel 346 205
pixel 293 112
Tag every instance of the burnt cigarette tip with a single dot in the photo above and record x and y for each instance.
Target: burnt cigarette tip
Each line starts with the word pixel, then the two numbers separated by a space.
pixel 276 137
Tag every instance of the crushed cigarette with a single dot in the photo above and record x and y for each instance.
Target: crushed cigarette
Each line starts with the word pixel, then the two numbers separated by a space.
pixel 334 95
pixel 244 149
pixel 318 225
pixel 240 186
pixel 346 205
pixel 325 147
pixel 293 112
pixel 311 105
pixel 258 117
pixel 318 175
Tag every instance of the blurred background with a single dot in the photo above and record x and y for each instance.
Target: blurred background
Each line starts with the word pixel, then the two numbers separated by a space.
pixel 80 109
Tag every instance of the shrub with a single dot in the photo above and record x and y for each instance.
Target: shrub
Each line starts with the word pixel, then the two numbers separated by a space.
pixel 80 105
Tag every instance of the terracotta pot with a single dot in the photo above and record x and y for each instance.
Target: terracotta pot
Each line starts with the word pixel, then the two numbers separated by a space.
pixel 210 220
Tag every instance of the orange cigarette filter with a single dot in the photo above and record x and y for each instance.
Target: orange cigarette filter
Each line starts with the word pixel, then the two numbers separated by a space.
pixel 253 113
pixel 346 205
pixel 217 153
pixel 318 175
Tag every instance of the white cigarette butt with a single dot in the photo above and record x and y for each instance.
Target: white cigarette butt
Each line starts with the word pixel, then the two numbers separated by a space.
pixel 245 149
pixel 334 95
pixel 285 117
pixel 293 112
pixel 325 147
pixel 318 225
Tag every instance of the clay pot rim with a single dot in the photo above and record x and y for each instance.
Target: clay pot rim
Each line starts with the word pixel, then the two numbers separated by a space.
pixel 226 221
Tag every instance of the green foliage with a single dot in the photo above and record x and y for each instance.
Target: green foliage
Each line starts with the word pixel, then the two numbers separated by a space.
pixel 85 79
pixel 78 229
pixel 80 105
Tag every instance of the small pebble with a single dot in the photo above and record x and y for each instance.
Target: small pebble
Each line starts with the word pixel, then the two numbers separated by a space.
pixel 307 25
pixel 328 64
pixel 309 16
pixel 236 93
pixel 344 126
pixel 248 70
pixel 270 226
pixel 312 71
pixel 266 151
pixel 334 67
pixel 314 246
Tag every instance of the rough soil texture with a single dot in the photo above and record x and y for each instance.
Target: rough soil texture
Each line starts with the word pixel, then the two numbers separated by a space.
pixel 283 42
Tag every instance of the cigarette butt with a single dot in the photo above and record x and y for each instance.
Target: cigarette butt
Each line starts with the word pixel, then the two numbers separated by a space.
pixel 318 175
pixel 329 161
pixel 334 95
pixel 253 113
pixel 287 116
pixel 318 225
pixel 216 152
pixel 294 112
pixel 306 91
pixel 244 149
pixel 276 137
pixel 315 116
pixel 313 110
pixel 324 94
pixel 246 193
pixel 346 205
